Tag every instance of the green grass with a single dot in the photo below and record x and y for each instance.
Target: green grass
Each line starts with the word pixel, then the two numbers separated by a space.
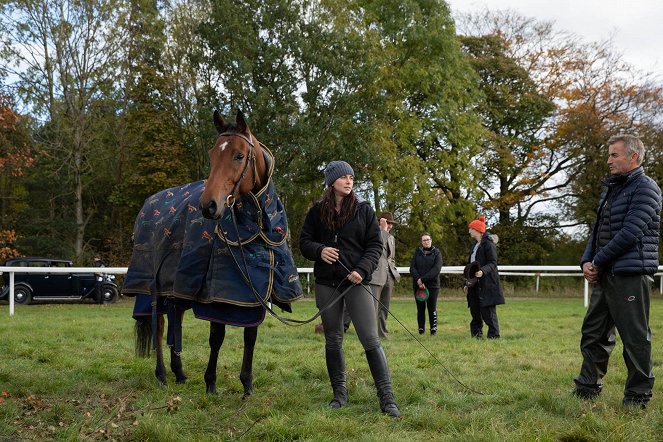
pixel 68 372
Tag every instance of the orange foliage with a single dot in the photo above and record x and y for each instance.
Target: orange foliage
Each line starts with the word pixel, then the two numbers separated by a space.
pixel 7 240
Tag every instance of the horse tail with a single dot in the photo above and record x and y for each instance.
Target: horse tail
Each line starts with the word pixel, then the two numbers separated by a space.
pixel 143 338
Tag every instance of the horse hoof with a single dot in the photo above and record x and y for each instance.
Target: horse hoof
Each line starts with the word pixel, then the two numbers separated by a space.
pixel 211 390
pixel 181 380
pixel 246 396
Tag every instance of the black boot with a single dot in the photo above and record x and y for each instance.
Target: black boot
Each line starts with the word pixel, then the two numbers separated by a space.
pixel 336 370
pixel 377 362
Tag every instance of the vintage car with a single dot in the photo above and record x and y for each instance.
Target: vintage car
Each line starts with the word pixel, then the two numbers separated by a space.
pixel 30 287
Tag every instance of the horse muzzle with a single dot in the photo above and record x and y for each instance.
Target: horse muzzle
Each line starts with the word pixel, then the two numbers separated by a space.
pixel 212 210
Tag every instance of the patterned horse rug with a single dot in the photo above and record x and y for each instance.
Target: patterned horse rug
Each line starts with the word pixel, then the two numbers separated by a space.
pixel 180 254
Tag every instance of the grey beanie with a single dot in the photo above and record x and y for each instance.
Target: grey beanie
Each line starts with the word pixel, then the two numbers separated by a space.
pixel 335 170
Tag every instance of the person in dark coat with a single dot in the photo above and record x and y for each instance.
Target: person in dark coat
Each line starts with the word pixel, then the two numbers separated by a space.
pixel 425 269
pixel 483 289
pixel 620 259
pixel 341 234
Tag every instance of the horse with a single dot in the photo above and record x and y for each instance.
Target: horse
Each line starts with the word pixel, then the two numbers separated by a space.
pixel 216 246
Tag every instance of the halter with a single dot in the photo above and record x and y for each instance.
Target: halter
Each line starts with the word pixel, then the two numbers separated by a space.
pixel 230 199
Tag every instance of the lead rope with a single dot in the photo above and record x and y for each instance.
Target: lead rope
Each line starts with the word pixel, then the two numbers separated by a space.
pixel 244 272
pixel 453 376
pixel 296 322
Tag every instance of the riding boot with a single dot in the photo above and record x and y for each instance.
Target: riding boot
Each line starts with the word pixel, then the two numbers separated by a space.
pixel 377 362
pixel 336 369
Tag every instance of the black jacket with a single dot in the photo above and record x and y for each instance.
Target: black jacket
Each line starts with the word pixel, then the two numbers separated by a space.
pixel 427 267
pixel 488 287
pixel 631 237
pixel 359 242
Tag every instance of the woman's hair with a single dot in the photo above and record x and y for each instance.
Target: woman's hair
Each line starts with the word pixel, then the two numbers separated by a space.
pixel 328 209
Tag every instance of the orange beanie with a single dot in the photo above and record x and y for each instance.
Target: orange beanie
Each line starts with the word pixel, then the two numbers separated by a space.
pixel 479 224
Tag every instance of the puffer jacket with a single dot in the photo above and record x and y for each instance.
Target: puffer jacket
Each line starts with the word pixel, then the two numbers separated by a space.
pixel 358 241
pixel 630 238
pixel 426 266
pixel 488 287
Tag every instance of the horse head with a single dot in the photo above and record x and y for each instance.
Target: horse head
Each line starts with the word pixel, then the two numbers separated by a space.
pixel 237 166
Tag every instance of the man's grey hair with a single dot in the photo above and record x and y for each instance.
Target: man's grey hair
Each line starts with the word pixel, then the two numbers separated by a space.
pixel 632 143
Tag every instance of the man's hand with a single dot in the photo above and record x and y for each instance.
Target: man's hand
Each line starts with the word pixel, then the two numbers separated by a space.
pixel 329 255
pixel 383 224
pixel 465 288
pixel 591 272
pixel 355 277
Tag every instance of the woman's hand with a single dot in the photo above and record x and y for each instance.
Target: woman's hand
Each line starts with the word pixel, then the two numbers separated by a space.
pixel 355 278
pixel 329 255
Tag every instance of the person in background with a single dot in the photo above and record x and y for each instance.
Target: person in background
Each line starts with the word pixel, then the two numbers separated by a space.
pixel 99 279
pixel 386 275
pixel 425 269
pixel 620 259
pixel 341 234
pixel 485 295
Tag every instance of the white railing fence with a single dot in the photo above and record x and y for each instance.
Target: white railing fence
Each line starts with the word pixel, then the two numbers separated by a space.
pixel 505 270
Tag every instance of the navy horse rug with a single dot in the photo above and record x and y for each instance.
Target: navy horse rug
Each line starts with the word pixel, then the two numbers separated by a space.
pixel 178 254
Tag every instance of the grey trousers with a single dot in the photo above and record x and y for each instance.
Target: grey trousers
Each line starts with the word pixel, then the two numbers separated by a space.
pixel 360 306
pixel 618 302
pixel 382 295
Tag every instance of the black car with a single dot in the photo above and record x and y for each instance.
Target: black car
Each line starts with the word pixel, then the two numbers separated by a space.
pixel 30 287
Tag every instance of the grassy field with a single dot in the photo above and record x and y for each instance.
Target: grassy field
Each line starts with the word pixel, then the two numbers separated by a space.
pixel 68 372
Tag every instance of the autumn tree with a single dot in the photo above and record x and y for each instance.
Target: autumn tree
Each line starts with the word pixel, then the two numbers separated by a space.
pixel 595 93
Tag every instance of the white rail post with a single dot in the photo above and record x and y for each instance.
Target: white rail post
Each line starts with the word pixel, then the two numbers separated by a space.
pixel 586 293
pixel 538 276
pixel 11 293
pixel 660 289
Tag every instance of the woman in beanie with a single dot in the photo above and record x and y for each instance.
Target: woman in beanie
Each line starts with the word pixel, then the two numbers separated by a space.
pixel 484 295
pixel 341 234
pixel 425 269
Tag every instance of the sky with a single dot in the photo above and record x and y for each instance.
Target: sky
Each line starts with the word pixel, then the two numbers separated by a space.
pixel 636 26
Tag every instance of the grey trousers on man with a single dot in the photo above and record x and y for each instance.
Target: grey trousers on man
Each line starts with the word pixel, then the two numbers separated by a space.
pixel 382 295
pixel 620 302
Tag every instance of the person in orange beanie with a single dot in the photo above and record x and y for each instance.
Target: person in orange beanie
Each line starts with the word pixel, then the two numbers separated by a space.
pixel 483 288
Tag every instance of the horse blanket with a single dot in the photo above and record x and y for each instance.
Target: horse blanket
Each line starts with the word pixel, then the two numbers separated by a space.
pixel 180 254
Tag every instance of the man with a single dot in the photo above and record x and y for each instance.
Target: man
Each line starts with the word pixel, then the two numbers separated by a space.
pixel 385 275
pixel 620 258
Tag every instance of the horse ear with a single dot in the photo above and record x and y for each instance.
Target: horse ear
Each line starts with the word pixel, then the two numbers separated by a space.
pixel 241 122
pixel 219 122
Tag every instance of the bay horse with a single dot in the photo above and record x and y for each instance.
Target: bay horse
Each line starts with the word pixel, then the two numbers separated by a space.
pixel 217 246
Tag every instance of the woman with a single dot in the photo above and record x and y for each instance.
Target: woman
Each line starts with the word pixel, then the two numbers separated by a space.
pixel 342 236
pixel 484 294
pixel 425 270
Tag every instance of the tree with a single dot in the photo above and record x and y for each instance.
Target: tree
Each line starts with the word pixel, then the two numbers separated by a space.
pixel 595 93
pixel 64 54
pixel 380 84
pixel 16 156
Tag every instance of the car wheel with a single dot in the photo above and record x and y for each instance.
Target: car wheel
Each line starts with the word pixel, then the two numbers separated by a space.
pixel 109 295
pixel 22 295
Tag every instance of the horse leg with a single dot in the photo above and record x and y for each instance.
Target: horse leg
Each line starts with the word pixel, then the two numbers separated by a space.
pixel 246 375
pixel 217 333
pixel 175 359
pixel 160 370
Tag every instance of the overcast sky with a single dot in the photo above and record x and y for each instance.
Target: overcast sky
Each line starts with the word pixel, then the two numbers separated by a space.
pixel 636 25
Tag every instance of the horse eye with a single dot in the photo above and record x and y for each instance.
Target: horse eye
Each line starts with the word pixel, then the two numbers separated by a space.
pixel 239 157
